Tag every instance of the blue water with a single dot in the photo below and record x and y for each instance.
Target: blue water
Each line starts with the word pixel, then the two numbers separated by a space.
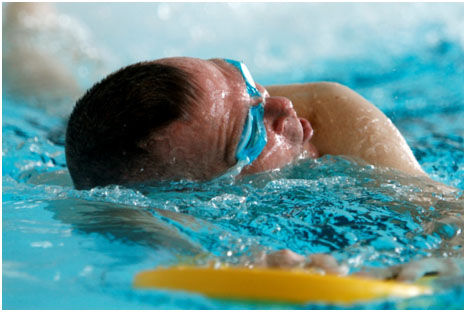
pixel 68 249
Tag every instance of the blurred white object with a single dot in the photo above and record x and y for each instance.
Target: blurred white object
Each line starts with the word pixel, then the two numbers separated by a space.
pixel 44 53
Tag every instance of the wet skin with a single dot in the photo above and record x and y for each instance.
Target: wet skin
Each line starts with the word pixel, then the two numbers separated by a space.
pixel 204 146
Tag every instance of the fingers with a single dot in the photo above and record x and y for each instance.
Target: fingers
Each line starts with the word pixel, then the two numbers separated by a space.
pixel 284 258
pixel 288 259
pixel 326 263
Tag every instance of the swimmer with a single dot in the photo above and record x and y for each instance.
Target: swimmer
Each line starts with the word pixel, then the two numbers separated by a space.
pixel 187 118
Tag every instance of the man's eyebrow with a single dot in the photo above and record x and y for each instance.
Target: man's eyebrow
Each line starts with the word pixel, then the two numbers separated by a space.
pixel 223 69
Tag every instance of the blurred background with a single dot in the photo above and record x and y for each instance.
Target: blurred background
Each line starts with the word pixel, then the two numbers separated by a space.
pixel 280 42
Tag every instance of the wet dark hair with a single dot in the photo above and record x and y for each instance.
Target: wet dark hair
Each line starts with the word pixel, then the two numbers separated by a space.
pixel 116 114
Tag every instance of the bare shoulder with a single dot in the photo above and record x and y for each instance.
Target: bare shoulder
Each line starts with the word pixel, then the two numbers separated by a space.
pixel 323 96
pixel 322 87
pixel 345 123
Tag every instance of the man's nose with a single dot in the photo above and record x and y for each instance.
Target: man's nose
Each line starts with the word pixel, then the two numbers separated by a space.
pixel 262 90
pixel 277 106
pixel 277 110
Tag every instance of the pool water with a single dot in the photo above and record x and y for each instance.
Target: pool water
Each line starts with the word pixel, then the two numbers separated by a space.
pixel 69 249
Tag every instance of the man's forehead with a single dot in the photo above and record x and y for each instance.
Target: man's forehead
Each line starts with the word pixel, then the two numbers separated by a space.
pixel 190 64
pixel 209 75
pixel 221 83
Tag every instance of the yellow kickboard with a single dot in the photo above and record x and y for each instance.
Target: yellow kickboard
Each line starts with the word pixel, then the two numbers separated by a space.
pixel 297 286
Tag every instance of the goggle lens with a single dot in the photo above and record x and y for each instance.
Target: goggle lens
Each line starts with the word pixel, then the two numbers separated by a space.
pixel 254 136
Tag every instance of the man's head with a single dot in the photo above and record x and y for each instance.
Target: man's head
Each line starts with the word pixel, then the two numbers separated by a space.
pixel 175 118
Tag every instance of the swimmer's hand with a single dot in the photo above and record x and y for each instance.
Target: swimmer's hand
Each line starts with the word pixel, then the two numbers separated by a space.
pixel 412 271
pixel 287 259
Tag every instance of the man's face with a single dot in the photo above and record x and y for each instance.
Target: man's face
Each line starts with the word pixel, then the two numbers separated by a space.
pixel 204 146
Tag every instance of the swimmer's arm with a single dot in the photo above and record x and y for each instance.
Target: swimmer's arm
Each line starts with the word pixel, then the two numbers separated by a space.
pixel 345 123
pixel 128 223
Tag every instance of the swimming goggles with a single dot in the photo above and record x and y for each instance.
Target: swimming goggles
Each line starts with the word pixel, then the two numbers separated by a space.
pixel 254 136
